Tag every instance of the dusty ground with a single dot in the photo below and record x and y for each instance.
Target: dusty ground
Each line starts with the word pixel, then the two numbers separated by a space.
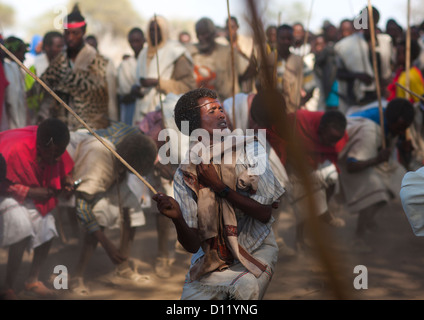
pixel 395 266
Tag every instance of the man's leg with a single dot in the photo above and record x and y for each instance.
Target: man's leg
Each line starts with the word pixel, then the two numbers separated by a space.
pixel 14 261
pixel 127 237
pixel 284 249
pixel 366 219
pixel 163 262
pixel 124 269
pixel 365 222
pixel 33 285
pixel 89 244
pixel 40 256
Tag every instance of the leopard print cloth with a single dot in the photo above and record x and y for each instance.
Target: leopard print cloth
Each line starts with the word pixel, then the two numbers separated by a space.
pixel 85 91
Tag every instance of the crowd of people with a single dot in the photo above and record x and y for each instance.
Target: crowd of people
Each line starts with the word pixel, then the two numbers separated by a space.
pixel 335 130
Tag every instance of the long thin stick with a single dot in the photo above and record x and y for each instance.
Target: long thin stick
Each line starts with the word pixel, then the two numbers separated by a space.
pixel 308 22
pixel 410 92
pixel 276 52
pixel 278 114
pixel 408 49
pixel 233 67
pixel 157 67
pixel 376 75
pixel 11 55
pixel 303 53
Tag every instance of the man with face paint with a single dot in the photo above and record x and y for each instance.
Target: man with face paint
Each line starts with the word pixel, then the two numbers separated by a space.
pixel 370 176
pixel 212 61
pixel 82 78
pixel 38 170
pixel 173 73
pixel 220 216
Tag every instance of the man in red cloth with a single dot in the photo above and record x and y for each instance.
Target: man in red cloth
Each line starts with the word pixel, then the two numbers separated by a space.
pixel 38 170
pixel 321 136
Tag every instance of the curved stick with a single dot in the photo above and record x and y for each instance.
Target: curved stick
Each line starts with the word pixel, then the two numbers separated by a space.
pixel 376 75
pixel 157 67
pixel 410 92
pixel 324 254
pixel 408 49
pixel 233 68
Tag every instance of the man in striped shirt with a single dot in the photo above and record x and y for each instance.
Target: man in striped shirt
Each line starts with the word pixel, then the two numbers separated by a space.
pixel 222 211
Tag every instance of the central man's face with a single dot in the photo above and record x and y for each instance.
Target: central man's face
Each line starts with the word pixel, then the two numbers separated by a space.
pixel 212 115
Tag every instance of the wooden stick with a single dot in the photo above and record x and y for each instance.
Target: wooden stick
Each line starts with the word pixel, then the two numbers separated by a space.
pixel 376 75
pixel 308 22
pixel 276 52
pixel 410 92
pixel 157 67
pixel 408 49
pixel 233 67
pixel 11 55
pixel 318 236
pixel 305 41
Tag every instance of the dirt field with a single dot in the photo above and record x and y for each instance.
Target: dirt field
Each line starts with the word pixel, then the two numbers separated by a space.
pixel 394 267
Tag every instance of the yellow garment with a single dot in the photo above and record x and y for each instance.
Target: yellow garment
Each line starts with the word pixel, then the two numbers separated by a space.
pixel 416 84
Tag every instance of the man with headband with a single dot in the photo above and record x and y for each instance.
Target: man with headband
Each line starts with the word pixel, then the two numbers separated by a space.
pixel 82 78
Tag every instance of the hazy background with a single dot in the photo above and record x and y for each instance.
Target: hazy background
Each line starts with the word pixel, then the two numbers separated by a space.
pixel 110 20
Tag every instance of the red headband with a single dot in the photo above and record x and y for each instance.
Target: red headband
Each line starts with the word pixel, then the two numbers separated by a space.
pixel 74 25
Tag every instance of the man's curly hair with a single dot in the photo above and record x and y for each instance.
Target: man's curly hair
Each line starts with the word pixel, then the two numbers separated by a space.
pixel 185 108
pixel 399 108
pixel 139 150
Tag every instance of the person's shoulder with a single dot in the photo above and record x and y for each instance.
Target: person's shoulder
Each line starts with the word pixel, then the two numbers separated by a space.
pixel 347 40
pixel 413 178
pixel 384 36
pixel 384 39
pixel 176 46
pixel 102 58
pixel 58 60
pixel 296 61
pixel 193 48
